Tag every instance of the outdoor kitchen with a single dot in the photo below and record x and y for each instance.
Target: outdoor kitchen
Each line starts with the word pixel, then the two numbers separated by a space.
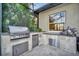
pixel 18 42
pixel 52 30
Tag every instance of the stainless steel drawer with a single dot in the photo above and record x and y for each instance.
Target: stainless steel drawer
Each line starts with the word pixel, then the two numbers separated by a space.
pixel 20 48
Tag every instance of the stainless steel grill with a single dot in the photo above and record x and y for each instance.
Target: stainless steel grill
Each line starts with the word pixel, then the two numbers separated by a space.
pixel 18 32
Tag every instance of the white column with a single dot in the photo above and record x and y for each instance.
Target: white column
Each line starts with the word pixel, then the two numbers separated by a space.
pixel 55 26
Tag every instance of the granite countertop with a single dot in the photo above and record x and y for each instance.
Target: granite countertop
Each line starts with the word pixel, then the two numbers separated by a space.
pixel 51 33
pixel 5 33
pixel 47 33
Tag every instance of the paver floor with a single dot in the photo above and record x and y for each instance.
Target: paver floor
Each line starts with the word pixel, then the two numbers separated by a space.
pixel 46 50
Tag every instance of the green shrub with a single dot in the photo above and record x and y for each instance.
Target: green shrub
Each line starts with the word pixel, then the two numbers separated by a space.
pixel 39 30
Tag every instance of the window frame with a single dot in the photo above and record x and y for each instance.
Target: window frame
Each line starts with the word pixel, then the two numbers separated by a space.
pixel 58 23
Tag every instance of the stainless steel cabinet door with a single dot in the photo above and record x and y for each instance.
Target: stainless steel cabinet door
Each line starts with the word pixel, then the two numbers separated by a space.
pixel 54 42
pixel 35 40
pixel 20 48
pixel 51 42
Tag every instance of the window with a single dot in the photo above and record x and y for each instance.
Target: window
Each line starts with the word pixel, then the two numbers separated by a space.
pixel 56 21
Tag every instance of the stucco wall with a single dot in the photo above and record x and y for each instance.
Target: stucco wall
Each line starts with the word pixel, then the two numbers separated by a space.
pixel 72 16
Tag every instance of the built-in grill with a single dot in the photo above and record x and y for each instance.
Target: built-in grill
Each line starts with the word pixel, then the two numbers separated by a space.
pixel 18 32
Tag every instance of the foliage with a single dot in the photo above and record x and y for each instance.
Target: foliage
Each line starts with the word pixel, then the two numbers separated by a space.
pixel 39 30
pixel 17 14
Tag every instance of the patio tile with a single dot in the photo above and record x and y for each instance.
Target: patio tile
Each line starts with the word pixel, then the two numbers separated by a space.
pixel 46 50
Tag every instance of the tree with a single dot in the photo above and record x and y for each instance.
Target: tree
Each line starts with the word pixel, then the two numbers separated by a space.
pixel 17 14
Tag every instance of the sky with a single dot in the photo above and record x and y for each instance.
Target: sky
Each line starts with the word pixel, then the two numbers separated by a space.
pixel 38 5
